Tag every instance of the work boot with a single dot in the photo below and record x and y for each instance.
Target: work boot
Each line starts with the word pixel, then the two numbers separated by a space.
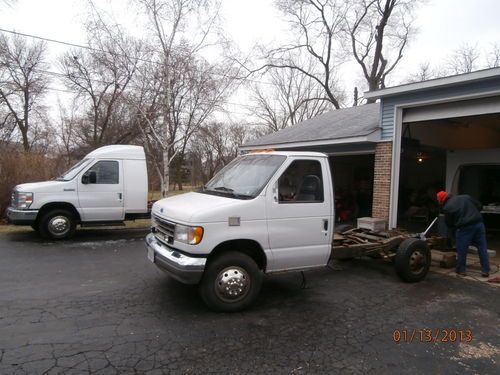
pixel 485 274
pixel 463 273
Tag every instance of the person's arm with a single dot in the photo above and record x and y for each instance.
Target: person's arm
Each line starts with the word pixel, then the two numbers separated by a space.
pixel 478 204
pixel 449 219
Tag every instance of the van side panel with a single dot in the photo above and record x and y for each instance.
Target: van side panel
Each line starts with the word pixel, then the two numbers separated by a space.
pixel 454 159
pixel 135 187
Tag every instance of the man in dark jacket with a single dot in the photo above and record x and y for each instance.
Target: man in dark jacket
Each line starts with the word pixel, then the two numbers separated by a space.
pixel 462 213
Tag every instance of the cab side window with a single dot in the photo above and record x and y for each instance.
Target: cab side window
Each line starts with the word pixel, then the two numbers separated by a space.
pixel 302 182
pixel 106 172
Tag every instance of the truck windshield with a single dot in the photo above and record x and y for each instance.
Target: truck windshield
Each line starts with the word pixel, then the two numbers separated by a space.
pixel 244 177
pixel 73 171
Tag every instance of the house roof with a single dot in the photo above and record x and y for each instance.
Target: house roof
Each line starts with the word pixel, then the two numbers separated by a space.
pixel 435 83
pixel 354 124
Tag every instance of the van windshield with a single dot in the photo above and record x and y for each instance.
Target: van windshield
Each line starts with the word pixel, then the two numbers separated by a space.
pixel 244 177
pixel 73 171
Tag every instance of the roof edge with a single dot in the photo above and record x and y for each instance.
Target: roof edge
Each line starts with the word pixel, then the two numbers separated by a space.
pixel 434 83
pixel 373 136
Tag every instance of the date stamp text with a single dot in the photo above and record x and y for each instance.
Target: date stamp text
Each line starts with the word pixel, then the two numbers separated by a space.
pixel 432 335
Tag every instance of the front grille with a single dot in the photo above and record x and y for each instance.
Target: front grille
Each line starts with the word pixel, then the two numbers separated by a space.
pixel 163 229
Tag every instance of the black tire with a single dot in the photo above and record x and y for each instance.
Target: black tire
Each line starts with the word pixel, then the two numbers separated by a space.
pixel 413 259
pixel 341 228
pixel 58 224
pixel 241 277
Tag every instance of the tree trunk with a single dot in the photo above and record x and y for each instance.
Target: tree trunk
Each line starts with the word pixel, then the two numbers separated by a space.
pixel 166 173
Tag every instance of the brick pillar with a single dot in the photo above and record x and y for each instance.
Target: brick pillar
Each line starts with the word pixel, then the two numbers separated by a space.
pixel 382 180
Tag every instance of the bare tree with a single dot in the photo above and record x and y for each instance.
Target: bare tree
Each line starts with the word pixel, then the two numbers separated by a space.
pixel 316 26
pixel 191 88
pixel 464 59
pixel 67 125
pixel 493 56
pixel 293 97
pixel 376 30
pixel 23 85
pixel 379 32
pixel 425 72
pixel 216 145
pixel 100 76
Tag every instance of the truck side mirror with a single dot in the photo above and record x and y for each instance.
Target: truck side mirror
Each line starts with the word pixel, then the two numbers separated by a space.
pixel 275 191
pixel 92 177
pixel 89 177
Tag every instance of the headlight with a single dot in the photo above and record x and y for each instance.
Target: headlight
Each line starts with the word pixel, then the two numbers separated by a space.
pixel 189 235
pixel 22 200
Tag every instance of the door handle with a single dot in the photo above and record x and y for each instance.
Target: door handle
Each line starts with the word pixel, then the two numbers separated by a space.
pixel 120 196
pixel 325 224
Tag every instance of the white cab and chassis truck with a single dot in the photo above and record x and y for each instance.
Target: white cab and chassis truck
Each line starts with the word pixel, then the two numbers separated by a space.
pixel 106 187
pixel 264 213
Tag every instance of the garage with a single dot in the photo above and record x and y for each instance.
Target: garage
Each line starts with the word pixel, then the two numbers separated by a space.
pixel 454 152
pixel 445 135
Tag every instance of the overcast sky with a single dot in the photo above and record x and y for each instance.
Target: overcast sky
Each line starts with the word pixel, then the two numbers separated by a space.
pixel 443 25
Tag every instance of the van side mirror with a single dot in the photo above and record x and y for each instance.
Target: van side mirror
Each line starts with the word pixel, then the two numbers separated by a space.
pixel 275 191
pixel 89 177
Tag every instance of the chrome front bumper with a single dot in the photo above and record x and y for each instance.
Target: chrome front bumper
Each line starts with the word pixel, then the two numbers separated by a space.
pixel 186 269
pixel 21 217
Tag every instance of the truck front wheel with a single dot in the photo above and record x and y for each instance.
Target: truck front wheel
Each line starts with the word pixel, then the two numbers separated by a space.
pixel 57 224
pixel 231 282
pixel 413 259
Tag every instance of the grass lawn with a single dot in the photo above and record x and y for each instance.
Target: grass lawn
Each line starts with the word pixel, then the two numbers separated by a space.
pixel 143 223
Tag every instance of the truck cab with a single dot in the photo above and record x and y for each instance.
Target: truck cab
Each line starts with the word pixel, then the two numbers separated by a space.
pixel 107 186
pixel 264 212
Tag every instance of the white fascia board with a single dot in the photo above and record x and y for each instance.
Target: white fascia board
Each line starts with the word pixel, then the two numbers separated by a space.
pixel 434 83
pixel 452 109
pixel 374 136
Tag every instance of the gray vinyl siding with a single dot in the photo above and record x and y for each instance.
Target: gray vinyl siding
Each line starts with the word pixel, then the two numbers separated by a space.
pixel 388 103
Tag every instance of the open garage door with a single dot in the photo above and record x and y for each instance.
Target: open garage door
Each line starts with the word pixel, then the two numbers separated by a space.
pixel 453 146
pixel 353 181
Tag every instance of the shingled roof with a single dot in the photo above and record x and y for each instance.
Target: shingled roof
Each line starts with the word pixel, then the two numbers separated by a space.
pixel 353 122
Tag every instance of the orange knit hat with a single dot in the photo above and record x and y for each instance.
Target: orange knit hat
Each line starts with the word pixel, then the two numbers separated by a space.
pixel 441 196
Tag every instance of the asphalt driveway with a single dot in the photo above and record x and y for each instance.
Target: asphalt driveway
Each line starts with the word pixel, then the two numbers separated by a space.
pixel 95 305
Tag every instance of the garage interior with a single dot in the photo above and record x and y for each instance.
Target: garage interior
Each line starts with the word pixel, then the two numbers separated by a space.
pixel 428 147
pixel 353 181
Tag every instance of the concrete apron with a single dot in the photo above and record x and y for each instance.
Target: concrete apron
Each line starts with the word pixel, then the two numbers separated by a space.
pixel 473 268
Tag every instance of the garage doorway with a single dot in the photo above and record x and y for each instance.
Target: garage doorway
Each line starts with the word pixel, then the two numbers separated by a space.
pixel 459 154
pixel 353 182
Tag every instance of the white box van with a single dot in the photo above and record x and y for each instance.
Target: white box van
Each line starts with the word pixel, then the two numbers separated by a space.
pixel 106 187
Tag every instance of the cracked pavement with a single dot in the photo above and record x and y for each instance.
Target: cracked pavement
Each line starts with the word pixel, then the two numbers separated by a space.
pixel 96 305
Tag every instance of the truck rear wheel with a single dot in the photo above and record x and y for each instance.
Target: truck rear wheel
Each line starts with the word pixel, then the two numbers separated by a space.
pixel 231 282
pixel 413 259
pixel 57 224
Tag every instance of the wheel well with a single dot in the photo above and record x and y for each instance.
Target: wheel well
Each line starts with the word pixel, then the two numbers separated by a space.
pixel 249 247
pixel 58 205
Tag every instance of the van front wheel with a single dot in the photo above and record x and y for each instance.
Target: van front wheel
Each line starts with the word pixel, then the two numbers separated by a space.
pixel 57 224
pixel 231 282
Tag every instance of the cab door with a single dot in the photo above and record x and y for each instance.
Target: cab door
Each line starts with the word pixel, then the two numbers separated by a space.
pixel 100 191
pixel 299 214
